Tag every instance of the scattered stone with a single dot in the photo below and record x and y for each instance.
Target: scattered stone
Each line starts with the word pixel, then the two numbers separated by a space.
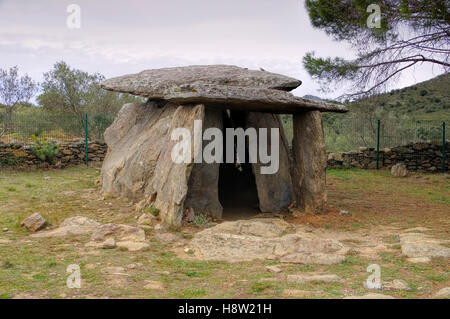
pixel 370 296
pixel 132 266
pixel 167 238
pixel 146 219
pixel 416 230
pixel 444 293
pixel 47 178
pixel 344 213
pixel 422 245
pixel 297 293
pixel 418 260
pixel 274 269
pixel 188 250
pixel 119 232
pixel 5 229
pixel 114 270
pixel 313 278
pixel 154 285
pixel 399 170
pixel 90 266
pixel 5 241
pixel 189 214
pixel 313 258
pixel 109 243
pixel 132 245
pixel 72 226
pixel 396 284
pixel 265 238
pixel 34 222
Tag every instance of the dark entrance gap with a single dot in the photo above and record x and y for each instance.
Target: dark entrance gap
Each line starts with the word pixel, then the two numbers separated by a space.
pixel 237 187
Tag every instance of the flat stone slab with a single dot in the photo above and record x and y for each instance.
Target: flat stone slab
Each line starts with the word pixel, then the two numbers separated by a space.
pixel 419 245
pixel 265 238
pixel 222 86
pixel 154 83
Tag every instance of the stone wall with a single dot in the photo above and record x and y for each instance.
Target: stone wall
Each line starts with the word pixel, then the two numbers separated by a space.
pixel 20 155
pixel 425 157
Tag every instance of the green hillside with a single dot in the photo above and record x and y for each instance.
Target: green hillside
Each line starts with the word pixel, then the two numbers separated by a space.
pixel 429 100
pixel 414 113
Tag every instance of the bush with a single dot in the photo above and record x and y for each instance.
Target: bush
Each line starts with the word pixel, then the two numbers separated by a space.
pixel 152 210
pixel 200 221
pixel 44 150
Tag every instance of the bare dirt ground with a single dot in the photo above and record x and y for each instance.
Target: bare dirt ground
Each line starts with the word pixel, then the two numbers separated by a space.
pixel 381 208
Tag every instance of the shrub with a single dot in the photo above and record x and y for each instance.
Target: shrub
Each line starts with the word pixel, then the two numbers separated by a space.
pixel 152 210
pixel 44 150
pixel 200 220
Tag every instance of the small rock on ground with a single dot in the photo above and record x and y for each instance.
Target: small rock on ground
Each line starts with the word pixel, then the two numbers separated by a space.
pixel 297 293
pixel 418 260
pixel 154 285
pixel 313 278
pixel 444 293
pixel 167 238
pixel 396 284
pixel 34 222
pixel 132 245
pixel 274 269
pixel 78 225
pixel 370 296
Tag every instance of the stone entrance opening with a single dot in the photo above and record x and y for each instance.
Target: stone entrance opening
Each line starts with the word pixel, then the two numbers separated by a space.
pixel 237 191
pixel 238 194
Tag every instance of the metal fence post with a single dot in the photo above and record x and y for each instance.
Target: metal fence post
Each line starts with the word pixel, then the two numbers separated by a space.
pixel 378 144
pixel 444 151
pixel 86 138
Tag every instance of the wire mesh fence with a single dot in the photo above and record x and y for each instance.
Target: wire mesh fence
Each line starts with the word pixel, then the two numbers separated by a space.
pixel 23 127
pixel 350 134
pixel 341 135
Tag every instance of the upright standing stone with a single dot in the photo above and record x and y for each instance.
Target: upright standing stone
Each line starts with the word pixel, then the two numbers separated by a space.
pixel 170 181
pixel 310 162
pixel 274 190
pixel 203 187
pixel 135 141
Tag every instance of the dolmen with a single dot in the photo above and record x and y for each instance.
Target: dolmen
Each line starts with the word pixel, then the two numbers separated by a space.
pixel 209 140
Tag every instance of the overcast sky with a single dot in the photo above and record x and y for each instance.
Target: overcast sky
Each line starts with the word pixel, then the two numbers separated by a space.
pixel 126 36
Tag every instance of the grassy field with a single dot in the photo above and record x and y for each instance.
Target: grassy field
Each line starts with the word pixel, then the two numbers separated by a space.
pixel 36 268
